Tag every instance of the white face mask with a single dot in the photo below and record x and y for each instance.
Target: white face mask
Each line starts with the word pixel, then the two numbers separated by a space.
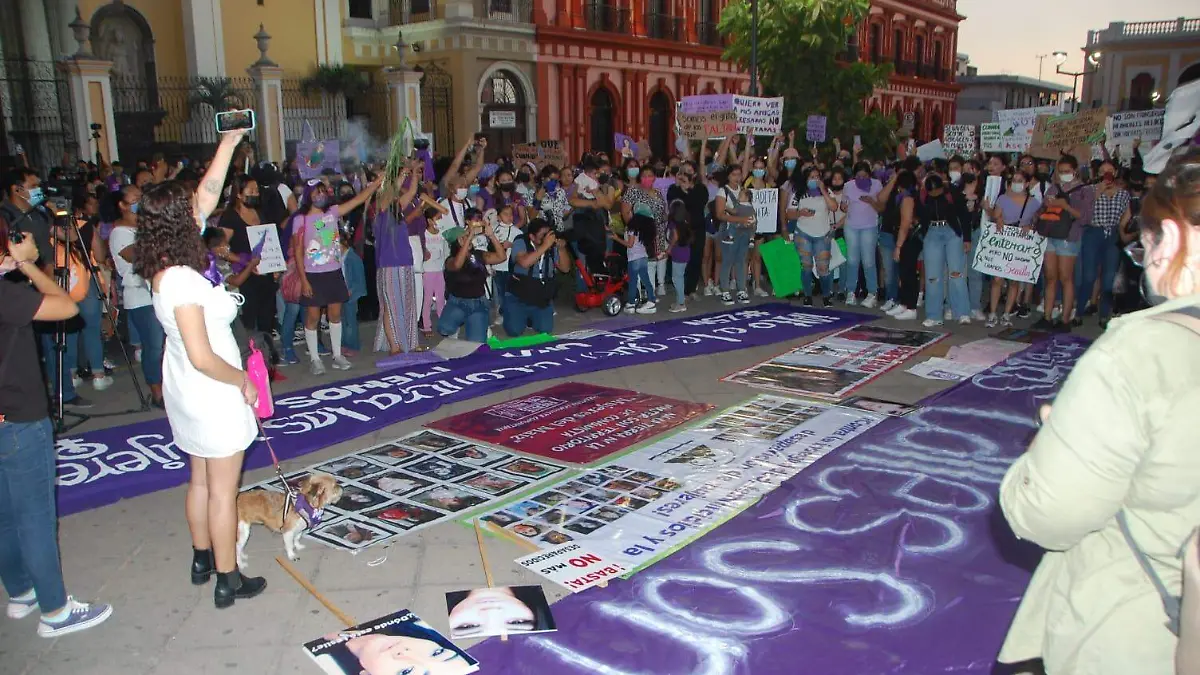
pixel 955 176
pixel 460 193
pixel 1017 188
pixel 1066 177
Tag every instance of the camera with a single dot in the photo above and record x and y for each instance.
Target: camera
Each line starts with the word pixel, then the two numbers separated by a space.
pixel 95 126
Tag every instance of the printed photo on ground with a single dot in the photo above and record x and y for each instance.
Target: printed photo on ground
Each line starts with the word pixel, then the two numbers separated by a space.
pixel 396 643
pixel 507 610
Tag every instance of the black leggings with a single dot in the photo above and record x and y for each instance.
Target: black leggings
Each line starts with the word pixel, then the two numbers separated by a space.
pixel 910 280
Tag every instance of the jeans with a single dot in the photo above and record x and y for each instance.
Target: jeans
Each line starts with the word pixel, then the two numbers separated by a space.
pixel 135 340
pixel 519 315
pixel 28 520
pixel 678 270
pixel 91 310
pixel 500 281
pixel 1099 255
pixel 810 247
pixel 152 342
pixel 974 279
pixel 287 329
pixel 944 255
pixel 891 271
pixel 734 258
pixel 50 363
pixel 639 275
pixel 860 252
pixel 657 270
pixel 350 335
pixel 472 314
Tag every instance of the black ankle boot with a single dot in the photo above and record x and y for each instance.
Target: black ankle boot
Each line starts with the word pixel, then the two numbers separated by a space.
pixel 202 566
pixel 233 585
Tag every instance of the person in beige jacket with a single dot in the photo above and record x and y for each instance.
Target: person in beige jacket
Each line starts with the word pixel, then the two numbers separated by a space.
pixel 1123 436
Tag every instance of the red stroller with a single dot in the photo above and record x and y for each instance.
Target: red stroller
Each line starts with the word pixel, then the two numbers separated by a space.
pixel 605 289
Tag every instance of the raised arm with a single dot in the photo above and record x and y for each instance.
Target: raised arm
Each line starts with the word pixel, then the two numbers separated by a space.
pixel 362 197
pixel 209 193
pixel 881 199
pixel 458 159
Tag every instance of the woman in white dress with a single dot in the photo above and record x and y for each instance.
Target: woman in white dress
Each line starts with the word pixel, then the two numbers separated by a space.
pixel 207 394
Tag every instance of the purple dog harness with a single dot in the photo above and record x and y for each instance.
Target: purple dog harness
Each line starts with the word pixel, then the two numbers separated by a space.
pixel 311 516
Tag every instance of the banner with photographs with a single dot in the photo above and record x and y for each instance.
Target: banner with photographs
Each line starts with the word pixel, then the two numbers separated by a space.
pixel 834 366
pixel 413 482
pixel 573 422
pixel 396 643
pixel 639 508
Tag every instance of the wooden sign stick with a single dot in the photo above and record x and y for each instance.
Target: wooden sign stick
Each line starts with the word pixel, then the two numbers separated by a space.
pixel 487 568
pixel 307 585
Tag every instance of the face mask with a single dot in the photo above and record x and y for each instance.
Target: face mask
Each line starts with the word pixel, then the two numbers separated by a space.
pixel 522 178
pixel 862 183
pixel 1066 177
pixel 551 185
pixel 1017 188
pixel 1109 177
pixel 135 207
pixel 955 176
pixel 836 187
pixel 632 172
pixel 814 184
pixel 789 164
pixel 36 196
pixel 647 182
pixel 460 193
pixel 507 187
pixel 759 173
pixel 251 201
pixel 603 178
pixel 320 201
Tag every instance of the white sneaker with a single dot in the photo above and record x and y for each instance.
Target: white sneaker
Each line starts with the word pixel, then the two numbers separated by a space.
pixel 978 315
pixel 743 298
pixel 1006 320
pixel 947 315
pixel 964 320
pixel 851 300
pixel 340 363
pixel 1041 308
pixel 991 321
pixel 726 298
pixel 675 309
pixel 906 315
pixel 896 309
pixel 869 301
pixel 710 289
pixel 648 308
pixel 761 293
pixel 1056 314
pixel 888 306
pixel 931 323
pixel 315 367
pixel 630 308
pixel 102 383
pixel 661 290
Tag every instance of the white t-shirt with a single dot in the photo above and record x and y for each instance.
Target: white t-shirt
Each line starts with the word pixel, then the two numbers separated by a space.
pixel 134 289
pixel 505 234
pixel 208 418
pixel 285 192
pixel 454 218
pixel 439 250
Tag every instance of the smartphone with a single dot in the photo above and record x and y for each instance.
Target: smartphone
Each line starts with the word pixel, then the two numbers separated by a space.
pixel 234 120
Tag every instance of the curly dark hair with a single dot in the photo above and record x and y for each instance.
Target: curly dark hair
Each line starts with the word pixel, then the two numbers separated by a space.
pixel 167 234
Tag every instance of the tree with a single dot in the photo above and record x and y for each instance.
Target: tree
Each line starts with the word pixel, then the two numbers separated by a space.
pixel 335 80
pixel 803 56
pixel 217 93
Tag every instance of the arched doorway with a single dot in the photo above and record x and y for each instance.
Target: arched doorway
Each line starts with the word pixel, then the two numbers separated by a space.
pixel 602 107
pixel 120 34
pixel 1191 73
pixel 919 134
pixel 660 124
pixel 502 113
pixel 1141 92
pixel 437 107
pixel 937 129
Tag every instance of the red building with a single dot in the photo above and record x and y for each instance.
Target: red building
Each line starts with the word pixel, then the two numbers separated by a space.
pixel 605 66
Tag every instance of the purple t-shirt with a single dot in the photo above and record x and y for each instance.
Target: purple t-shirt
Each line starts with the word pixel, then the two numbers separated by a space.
pixel 861 215
pixel 322 250
pixel 679 253
pixel 1011 210
pixel 392 248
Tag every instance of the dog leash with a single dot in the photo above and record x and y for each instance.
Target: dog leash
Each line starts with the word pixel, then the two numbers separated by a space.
pixel 289 499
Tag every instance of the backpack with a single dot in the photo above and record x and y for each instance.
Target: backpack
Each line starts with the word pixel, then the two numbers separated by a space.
pixel 1055 222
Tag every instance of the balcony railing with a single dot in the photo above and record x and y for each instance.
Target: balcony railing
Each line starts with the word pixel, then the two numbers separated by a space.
pixel 664 26
pixel 603 16
pixel 1119 30
pixel 509 11
pixel 707 34
pixel 401 12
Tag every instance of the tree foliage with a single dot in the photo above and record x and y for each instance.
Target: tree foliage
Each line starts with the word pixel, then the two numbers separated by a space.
pixel 801 56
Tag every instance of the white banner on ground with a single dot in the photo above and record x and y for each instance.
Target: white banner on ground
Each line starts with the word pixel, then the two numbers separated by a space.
pixel 1010 254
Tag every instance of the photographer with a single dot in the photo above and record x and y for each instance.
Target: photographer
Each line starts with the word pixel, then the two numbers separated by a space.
pixel 29 557
pixel 466 281
pixel 530 297
pixel 23 196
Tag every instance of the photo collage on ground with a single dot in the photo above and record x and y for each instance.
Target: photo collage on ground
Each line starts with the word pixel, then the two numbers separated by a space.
pixel 412 482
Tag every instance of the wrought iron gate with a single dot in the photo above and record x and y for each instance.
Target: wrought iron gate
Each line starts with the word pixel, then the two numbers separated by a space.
pixel 437 107
pixel 36 115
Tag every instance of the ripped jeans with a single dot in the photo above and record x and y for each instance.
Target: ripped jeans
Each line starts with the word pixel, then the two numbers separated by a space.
pixel 810 247
pixel 945 254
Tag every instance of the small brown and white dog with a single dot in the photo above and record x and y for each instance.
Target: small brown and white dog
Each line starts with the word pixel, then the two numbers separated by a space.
pixel 266 507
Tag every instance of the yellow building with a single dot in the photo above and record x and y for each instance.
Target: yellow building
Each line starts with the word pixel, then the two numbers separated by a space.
pixel 1137 65
pixel 173 61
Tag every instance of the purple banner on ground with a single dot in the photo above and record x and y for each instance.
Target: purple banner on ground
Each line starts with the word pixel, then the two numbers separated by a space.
pixel 101 467
pixel 886 556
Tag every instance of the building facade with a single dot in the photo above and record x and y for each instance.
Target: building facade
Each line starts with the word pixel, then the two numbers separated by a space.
pixel 981 95
pixel 1140 64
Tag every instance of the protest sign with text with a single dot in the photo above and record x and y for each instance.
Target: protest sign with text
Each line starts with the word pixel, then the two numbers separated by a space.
pixel 573 566
pixel 1073 133
pixel 264 243
pixel 1144 124
pixel 1011 253
pixel 1016 126
pixel 706 103
pixel 959 139
pixel 766 209
pixel 758 116
pixel 815 129
pixel 703 126
pixel 931 150
pixel 990 139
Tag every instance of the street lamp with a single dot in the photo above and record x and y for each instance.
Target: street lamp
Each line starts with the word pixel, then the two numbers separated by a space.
pixel 1092 61
pixel 754 47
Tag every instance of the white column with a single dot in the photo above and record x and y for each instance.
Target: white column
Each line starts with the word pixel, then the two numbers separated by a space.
pixel 329 31
pixel 322 52
pixel 204 39
pixel 62 12
pixel 35 32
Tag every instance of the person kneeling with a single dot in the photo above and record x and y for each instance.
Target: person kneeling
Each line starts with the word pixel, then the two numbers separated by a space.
pixel 529 300
pixel 466 280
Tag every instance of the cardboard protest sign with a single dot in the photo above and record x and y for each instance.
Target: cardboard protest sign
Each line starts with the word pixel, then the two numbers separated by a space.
pixel 758 116
pixel 573 422
pixel 1144 124
pixel 990 139
pixel 959 139
pixel 766 209
pixel 505 610
pixel 783 267
pixel 410 641
pixel 703 126
pixel 573 566
pixel 1073 133
pixel 524 153
pixel 1016 126
pixel 815 129
pixel 264 243
pixel 551 152
pixel 313 157
pixel 1010 254
pixel 930 150
pixel 706 103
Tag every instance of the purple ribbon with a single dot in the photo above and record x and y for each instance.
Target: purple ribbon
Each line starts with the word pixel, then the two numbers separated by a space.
pixel 211 272
pixel 423 155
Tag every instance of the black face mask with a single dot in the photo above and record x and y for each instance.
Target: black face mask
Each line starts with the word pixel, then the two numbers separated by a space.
pixel 603 178
pixel 968 178
pixel 507 187
pixel 522 178
pixel 251 201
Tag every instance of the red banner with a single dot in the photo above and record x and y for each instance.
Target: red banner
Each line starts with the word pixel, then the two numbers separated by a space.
pixel 573 422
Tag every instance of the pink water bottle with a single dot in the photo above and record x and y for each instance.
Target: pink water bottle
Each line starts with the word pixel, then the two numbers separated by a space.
pixel 256 370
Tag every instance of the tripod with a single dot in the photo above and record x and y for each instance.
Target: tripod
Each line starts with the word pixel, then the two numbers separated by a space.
pixel 67 235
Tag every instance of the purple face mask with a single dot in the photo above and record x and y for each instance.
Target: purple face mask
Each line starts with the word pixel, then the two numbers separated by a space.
pixel 863 184
pixel 321 201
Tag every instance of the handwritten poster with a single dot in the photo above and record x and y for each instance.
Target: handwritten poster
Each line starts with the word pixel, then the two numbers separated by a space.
pixel 959 139
pixel 703 126
pixel 1144 124
pixel 1010 254
pixel 706 103
pixel 815 129
pixel 1074 133
pixel 766 209
pixel 264 241
pixel 1016 126
pixel 989 137
pixel 524 153
pixel 758 116
pixel 542 153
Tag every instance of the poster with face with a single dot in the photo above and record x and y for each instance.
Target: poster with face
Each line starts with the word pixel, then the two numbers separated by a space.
pixel 396 643
pixel 450 498
pixel 351 467
pixel 391 455
pixel 403 515
pixel 507 610
pixel 397 483
pixel 347 533
pixel 357 498
pixel 313 157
